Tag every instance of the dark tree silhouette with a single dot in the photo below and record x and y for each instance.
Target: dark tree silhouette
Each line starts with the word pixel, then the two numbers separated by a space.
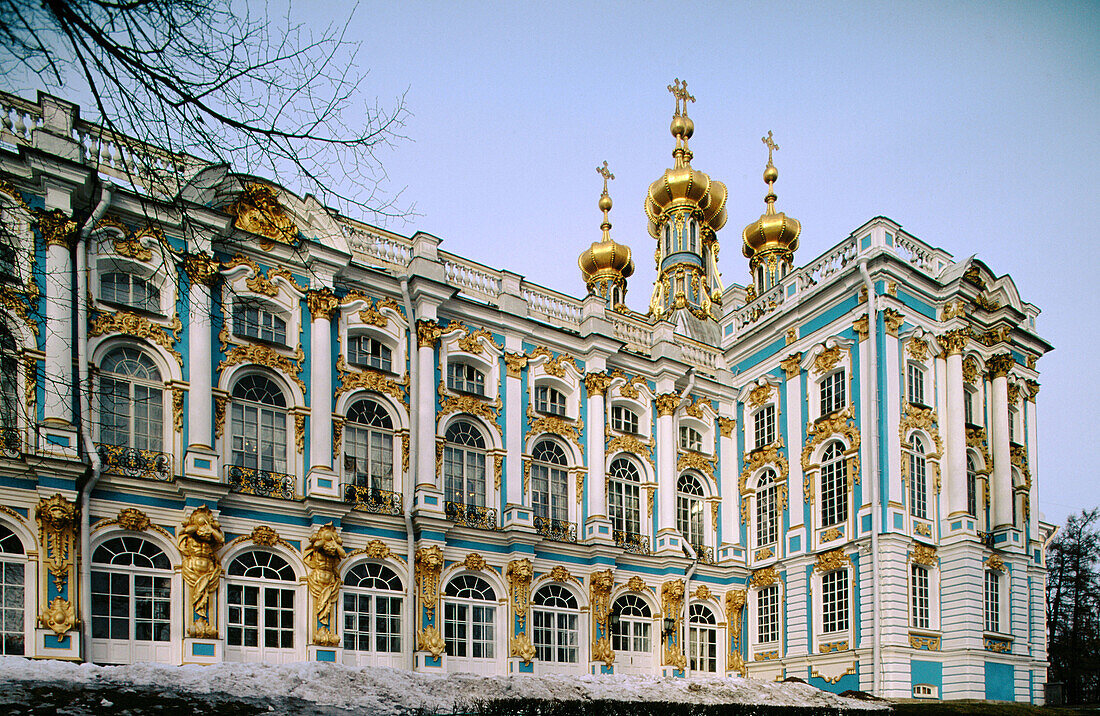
pixel 218 80
pixel 1073 607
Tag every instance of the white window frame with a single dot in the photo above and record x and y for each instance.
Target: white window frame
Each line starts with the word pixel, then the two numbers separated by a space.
pixel 691 438
pixel 916 384
pixel 550 401
pixel 764 426
pixel 375 354
pixel 625 420
pixel 703 653
pixel 467 378
pixel 14 598
pixel 556 628
pixel 628 504
pixel 267 325
pixel 757 615
pixel 833 392
pixel 993 611
pixel 773 499
pixel 287 588
pixel 470 608
pixel 152 439
pixel 691 510
pixel 375 595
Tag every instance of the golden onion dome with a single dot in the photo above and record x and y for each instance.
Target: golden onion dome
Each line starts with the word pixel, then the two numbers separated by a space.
pixel 773 230
pixel 683 186
pixel 605 259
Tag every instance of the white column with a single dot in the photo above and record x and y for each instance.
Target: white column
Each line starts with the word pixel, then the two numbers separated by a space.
pixel 955 479
pixel 731 496
pixel 58 402
pixel 428 333
pixel 322 305
pixel 1033 458
pixel 797 501
pixel 200 414
pixel 999 366
pixel 515 361
pixel 596 384
pixel 666 468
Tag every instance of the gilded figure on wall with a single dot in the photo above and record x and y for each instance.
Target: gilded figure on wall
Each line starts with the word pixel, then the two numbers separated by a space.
pixel 200 539
pixel 322 555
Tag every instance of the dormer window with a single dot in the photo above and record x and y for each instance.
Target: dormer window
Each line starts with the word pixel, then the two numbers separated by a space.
pixel 833 396
pixel 465 378
pixel 549 400
pixel 126 289
pixel 369 352
pixel 253 321
pixel 690 439
pixel 915 384
pixel 764 426
pixel 624 420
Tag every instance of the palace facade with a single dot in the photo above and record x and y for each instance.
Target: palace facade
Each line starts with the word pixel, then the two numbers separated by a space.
pixel 239 426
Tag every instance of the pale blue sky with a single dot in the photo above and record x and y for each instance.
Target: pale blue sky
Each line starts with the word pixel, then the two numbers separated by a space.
pixel 974 125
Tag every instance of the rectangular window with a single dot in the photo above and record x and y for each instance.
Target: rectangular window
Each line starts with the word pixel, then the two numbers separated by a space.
pixel 549 400
pixel 465 378
pixel 690 439
pixel 992 601
pixel 764 426
pixel 834 601
pixel 832 393
pixel 919 597
pixel 368 352
pixel 624 420
pixel 767 614
pixel 1012 426
pixel 251 321
pixel 916 384
pixel 969 397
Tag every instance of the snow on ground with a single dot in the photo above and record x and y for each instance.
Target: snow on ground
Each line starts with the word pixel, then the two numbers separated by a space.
pixel 389 692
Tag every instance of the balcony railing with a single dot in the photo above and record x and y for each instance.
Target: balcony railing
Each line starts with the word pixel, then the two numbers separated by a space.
pixel 262 483
pixel 557 530
pixel 704 554
pixel 631 542
pixel 482 518
pixel 372 499
pixel 132 462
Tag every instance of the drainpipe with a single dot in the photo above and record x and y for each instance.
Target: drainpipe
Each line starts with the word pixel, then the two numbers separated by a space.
pixel 84 562
pixel 874 399
pixel 407 489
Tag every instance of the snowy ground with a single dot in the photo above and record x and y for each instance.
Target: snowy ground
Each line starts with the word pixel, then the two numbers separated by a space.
pixel 329 688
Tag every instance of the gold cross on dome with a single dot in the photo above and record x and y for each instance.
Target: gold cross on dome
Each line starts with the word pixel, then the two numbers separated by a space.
pixel 606 174
pixel 679 90
pixel 771 145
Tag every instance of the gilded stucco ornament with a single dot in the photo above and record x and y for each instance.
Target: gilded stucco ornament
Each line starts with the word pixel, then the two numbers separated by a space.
pixel 791 336
pixel 703 592
pixel 57 527
pixel 672 601
pixel 970 369
pixel 631 388
pixel 635 584
pixel 860 328
pixel 831 534
pixel 377 549
pixel 987 303
pixel 428 333
pixel 568 429
pixel 322 303
pixel 753 461
pixel 554 366
pixel 133 519
pixel 832 560
pixel 1032 390
pixel 629 443
pixel 955 309
pixel 760 395
pixel 826 360
pixel 257 210
pixel 599 590
pixel 264 536
pixel 954 341
pixel 597 383
pixel 514 363
pixel 322 555
pixel 995 563
pixel 1013 393
pixel 920 418
pixel 924 554
pixel 487 410
pixel 471 340
pixel 131 324
pixel 522 648
pixel 519 573
pixel 601 651
pixel 59 616
pixel 201 269
pixel 667 403
pixel 559 573
pixel 372 380
pixel 923 642
pixel 892 319
pixel 692 460
pixel 917 349
pixel 291 367
pixel 792 365
pixel 695 408
pixel 16 302
pixel 474 562
pixel 726 426
pixel 372 314
pixel 429 563
pixel 974 275
pixel 177 409
pixel 220 402
pixel 841 424
pixel 430 640
pixel 57 228
pixel 200 539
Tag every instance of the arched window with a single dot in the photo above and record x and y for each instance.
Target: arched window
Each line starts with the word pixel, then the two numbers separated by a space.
pixel 834 485
pixel 668 240
pixel 12 594
pixel 549 400
pixel 630 624
pixel 251 320
pixel 549 482
pixel 624 497
pixel 702 638
pixel 369 352
pixel 259 424
pixel 918 479
pixel 469 616
pixel 372 609
pixel 131 591
pixel 260 601
pixel 131 401
pixel 556 616
pixel 465 378
pixel 368 446
pixel 767 509
pixel 971 487
pixel 693 230
pixel 689 509
pixel 464 464
pixel 9 388
pixel 126 289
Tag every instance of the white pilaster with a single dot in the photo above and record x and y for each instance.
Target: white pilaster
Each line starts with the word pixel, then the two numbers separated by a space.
pixel 731 496
pixel 58 402
pixel 320 378
pixel 1033 463
pixel 955 477
pixel 795 438
pixel 513 431
pixel 1002 466
pixel 199 407
pixel 667 537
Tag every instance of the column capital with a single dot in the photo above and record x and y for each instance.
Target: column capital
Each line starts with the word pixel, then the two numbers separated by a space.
pixel 999 365
pixel 514 362
pixel 792 364
pixel 1032 390
pixel 954 341
pixel 726 426
pixel 57 228
pixel 200 268
pixel 427 333
pixel 322 303
pixel 667 403
pixel 597 383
